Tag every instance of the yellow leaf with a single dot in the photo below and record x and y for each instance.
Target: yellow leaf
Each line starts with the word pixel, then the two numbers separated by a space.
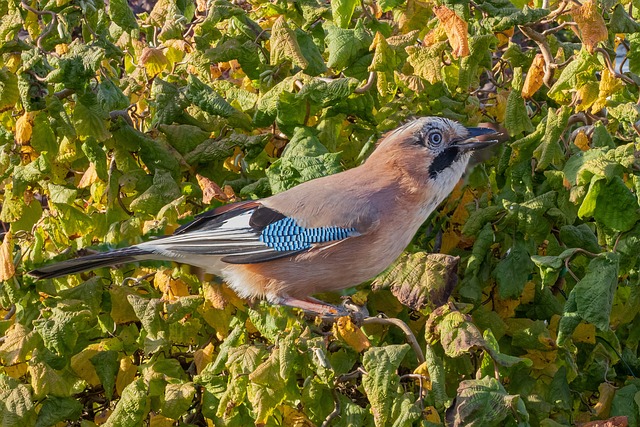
pixel 7 268
pixel 534 81
pixel 438 34
pixel 608 85
pixel 13 349
pixel 24 128
pixel 590 24
pixel 102 416
pixel 170 287
pixel 585 332
pixel 603 407
pixel 295 418
pixel 351 334
pixel 586 95
pixel 284 45
pixel 506 308
pixel 582 141
pixel 156 420
pixel 541 359
pixel 423 370
pixel 16 371
pixel 528 293
pixel 121 309
pixel 82 366
pixel 126 374
pixel 62 48
pixel 431 415
pixel 89 177
pixel 154 60
pixel 203 356
pixel 456 30
pixel 504 36
pixel 214 294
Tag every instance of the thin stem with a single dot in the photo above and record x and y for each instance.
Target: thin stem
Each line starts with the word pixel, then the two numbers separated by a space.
pixel 411 338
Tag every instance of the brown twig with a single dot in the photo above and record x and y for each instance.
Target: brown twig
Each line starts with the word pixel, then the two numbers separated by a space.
pixel 610 66
pixel 411 338
pixel 368 85
pixel 48 29
pixel 541 41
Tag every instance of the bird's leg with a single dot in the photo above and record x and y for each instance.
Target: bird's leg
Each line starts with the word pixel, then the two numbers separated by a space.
pixel 311 305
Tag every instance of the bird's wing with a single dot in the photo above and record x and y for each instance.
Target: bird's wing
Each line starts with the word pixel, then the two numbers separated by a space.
pixel 245 233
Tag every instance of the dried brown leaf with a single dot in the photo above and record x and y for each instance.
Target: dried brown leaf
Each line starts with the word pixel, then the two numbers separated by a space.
pixel 456 29
pixel 591 24
pixel 535 77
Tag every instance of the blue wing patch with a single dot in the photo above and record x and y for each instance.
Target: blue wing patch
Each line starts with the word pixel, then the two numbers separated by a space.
pixel 286 235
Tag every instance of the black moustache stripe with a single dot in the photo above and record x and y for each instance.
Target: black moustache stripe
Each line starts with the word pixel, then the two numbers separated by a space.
pixel 443 160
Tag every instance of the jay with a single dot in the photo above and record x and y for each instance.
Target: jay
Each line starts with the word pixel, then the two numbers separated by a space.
pixel 323 235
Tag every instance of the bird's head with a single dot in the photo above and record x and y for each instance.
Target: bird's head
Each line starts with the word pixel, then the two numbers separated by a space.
pixel 434 149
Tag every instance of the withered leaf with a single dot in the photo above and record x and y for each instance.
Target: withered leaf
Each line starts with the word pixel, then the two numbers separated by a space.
pixel 590 23
pixel 456 29
pixel 420 279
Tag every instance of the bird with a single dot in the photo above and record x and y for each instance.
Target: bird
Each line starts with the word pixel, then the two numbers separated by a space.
pixel 323 235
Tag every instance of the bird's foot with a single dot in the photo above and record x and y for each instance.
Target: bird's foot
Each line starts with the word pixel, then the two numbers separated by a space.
pixel 357 312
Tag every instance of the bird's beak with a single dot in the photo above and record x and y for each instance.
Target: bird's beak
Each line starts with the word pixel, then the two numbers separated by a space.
pixel 477 139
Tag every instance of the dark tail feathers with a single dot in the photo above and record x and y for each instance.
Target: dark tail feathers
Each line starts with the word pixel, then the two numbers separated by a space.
pixel 90 262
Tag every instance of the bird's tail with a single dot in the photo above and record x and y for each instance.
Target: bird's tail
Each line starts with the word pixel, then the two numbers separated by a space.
pixel 90 262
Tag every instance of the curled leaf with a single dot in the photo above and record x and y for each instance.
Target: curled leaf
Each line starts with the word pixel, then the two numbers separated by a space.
pixel 534 79
pixel 351 334
pixel 590 23
pixel 420 279
pixel 456 29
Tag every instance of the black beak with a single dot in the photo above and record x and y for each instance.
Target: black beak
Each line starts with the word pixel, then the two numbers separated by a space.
pixel 472 142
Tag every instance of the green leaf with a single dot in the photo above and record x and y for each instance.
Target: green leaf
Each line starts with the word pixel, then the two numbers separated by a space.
pixel 55 410
pixel 427 61
pixel 247 54
pixel 133 406
pixel 479 48
pixel 304 158
pixel 517 117
pixel 43 139
pixel 9 93
pixel 549 152
pixel 122 15
pixel 89 118
pixel 484 402
pixel 167 102
pixel 346 45
pixel 625 403
pixel 621 22
pixel 17 408
pixel 611 203
pixel 342 11
pixel 578 71
pixel 479 218
pixel 177 399
pixel 284 45
pixel 381 381
pixel 209 101
pixel 420 279
pixel 111 97
pixel 61 330
pixel 580 236
pixel 512 272
pixel 163 191
pixel 107 366
pixel 592 297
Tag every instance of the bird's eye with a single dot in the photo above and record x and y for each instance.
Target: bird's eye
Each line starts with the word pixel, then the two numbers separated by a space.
pixel 435 138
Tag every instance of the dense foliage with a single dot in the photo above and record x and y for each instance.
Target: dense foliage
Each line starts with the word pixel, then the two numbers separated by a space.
pixel 116 126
